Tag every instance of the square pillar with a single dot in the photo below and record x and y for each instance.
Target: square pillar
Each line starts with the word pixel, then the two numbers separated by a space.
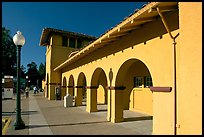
pixel 109 106
pixel 91 102
pixel 116 104
pixel 78 95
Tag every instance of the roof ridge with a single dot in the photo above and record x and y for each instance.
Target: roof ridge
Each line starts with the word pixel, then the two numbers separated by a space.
pixel 65 31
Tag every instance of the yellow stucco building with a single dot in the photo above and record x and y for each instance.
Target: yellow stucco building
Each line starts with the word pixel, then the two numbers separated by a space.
pixel 151 62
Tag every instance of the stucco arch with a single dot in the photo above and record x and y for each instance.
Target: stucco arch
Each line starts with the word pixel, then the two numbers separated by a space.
pixel 47 86
pixel 123 70
pixel 71 85
pixel 128 96
pixel 99 79
pixel 96 75
pixel 81 89
pixel 98 86
pixel 63 88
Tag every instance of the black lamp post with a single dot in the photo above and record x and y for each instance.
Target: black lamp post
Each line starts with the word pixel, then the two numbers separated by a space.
pixel 19 41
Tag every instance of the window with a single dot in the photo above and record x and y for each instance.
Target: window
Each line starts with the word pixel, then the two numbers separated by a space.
pixel 138 82
pixel 64 41
pixel 148 81
pixel 79 43
pixel 72 42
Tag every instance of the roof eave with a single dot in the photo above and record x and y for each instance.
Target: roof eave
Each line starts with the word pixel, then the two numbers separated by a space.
pixel 119 30
pixel 47 31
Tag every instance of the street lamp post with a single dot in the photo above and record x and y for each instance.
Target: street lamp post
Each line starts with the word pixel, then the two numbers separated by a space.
pixel 19 41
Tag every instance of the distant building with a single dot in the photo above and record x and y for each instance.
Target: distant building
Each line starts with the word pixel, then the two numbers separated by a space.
pixel 61 45
pixel 7 87
pixel 151 62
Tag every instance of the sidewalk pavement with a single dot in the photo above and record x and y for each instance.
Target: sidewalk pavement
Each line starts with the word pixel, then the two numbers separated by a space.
pixel 50 117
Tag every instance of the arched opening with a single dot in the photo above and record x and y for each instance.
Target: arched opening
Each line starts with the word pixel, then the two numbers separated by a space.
pixel 101 95
pixel 47 86
pixel 135 78
pixel 99 90
pixel 71 86
pixel 63 88
pixel 81 90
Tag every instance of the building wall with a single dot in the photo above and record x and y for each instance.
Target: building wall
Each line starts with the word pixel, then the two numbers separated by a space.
pixel 102 91
pixel 56 40
pixel 48 72
pixel 140 99
pixel 152 46
pixel 101 95
pixel 189 66
pixel 59 53
pixel 43 85
pixel 56 54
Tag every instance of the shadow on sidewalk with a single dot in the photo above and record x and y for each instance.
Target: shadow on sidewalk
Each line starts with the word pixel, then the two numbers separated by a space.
pixel 29 112
pixel 22 113
pixel 8 113
pixel 137 118
pixel 70 124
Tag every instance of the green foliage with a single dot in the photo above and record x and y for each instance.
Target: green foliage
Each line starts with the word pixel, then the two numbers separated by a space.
pixel 35 76
pixel 9 55
pixel 32 73
pixel 41 70
pixel 9 62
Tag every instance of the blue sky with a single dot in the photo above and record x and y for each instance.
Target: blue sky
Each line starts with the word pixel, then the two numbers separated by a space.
pixel 91 18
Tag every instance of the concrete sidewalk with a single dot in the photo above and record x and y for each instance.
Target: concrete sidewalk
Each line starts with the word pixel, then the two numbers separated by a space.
pixel 44 117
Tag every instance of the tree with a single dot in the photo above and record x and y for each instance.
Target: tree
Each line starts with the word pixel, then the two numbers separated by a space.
pixel 41 71
pixel 23 71
pixel 35 76
pixel 32 73
pixel 9 55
